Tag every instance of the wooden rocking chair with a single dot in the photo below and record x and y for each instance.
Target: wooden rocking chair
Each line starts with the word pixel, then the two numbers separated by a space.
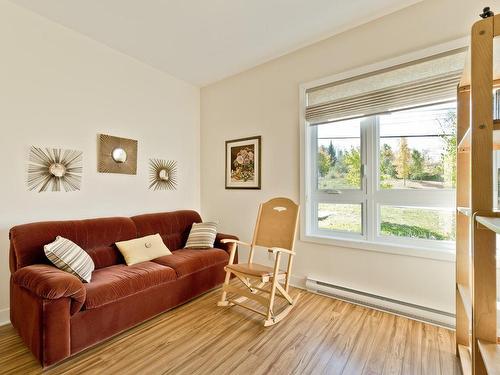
pixel 275 231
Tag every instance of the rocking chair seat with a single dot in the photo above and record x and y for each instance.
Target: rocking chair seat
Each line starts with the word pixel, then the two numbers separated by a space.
pixel 253 269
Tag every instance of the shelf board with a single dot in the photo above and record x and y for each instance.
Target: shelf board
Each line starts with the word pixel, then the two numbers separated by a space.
pixel 465 359
pixel 464 210
pixel 464 144
pixel 490 352
pixel 492 223
pixel 465 295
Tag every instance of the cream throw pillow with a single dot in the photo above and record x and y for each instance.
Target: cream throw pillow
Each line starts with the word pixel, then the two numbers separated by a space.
pixel 142 249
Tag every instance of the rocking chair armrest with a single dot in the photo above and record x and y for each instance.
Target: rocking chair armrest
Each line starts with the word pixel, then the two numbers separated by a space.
pixel 237 242
pixel 275 250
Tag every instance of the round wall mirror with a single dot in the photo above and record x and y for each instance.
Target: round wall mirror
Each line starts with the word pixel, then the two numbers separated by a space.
pixel 57 170
pixel 163 175
pixel 119 155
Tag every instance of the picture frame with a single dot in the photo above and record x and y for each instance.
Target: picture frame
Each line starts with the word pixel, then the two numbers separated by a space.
pixel 243 163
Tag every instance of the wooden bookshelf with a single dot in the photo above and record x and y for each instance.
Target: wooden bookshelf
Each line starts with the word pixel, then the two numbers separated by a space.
pixel 490 353
pixel 477 224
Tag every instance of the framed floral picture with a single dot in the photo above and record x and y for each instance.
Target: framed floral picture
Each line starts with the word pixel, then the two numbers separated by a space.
pixel 243 163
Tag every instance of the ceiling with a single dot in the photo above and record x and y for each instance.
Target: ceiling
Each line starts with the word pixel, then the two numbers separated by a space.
pixel 203 41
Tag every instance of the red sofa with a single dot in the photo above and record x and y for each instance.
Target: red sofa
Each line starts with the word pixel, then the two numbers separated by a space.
pixel 57 315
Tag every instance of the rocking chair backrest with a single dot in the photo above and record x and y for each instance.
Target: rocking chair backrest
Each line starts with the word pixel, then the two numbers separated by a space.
pixel 277 224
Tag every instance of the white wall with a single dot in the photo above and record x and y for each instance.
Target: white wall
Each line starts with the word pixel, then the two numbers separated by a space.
pixel 264 101
pixel 60 89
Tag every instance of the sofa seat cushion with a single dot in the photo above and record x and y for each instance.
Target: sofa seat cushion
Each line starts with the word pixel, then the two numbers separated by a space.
pixel 188 261
pixel 112 283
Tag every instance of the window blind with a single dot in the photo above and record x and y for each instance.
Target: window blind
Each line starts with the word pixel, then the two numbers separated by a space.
pixel 434 80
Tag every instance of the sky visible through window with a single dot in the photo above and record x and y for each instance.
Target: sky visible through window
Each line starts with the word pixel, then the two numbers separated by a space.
pixel 423 128
pixel 412 124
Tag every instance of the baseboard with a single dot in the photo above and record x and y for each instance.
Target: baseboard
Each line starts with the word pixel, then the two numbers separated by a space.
pixel 408 310
pixel 4 316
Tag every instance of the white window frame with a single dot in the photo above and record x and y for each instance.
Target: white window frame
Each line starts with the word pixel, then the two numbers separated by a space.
pixel 438 250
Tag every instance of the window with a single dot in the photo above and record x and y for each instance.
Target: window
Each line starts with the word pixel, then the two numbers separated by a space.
pixel 380 163
pixel 387 177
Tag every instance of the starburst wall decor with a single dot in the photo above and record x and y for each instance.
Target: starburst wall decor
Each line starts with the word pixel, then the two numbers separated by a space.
pixel 53 169
pixel 162 174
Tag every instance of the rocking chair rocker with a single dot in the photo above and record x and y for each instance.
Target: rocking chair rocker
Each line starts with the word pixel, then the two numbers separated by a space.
pixel 275 231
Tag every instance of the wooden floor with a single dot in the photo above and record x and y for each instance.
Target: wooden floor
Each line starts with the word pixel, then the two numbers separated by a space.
pixel 320 336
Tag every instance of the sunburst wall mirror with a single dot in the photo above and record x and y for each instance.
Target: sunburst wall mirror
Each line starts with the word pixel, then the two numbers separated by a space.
pixel 117 155
pixel 162 174
pixel 54 169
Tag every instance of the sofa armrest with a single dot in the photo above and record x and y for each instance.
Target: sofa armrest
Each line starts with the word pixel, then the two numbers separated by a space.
pixel 49 282
pixel 224 246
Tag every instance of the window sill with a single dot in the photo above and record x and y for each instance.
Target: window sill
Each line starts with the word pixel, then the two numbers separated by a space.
pixel 444 254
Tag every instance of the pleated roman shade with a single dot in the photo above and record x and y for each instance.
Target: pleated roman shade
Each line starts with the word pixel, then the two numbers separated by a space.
pixel 409 86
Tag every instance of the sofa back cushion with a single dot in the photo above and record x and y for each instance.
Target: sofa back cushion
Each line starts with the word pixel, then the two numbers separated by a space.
pixel 96 236
pixel 173 227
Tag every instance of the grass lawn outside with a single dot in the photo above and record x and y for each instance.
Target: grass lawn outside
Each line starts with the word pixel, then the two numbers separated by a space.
pixel 399 221
pixel 340 217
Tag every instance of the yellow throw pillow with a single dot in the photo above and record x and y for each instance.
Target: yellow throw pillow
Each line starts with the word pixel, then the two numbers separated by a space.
pixel 142 249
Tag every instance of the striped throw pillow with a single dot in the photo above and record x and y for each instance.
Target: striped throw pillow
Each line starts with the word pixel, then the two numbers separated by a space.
pixel 68 256
pixel 202 236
